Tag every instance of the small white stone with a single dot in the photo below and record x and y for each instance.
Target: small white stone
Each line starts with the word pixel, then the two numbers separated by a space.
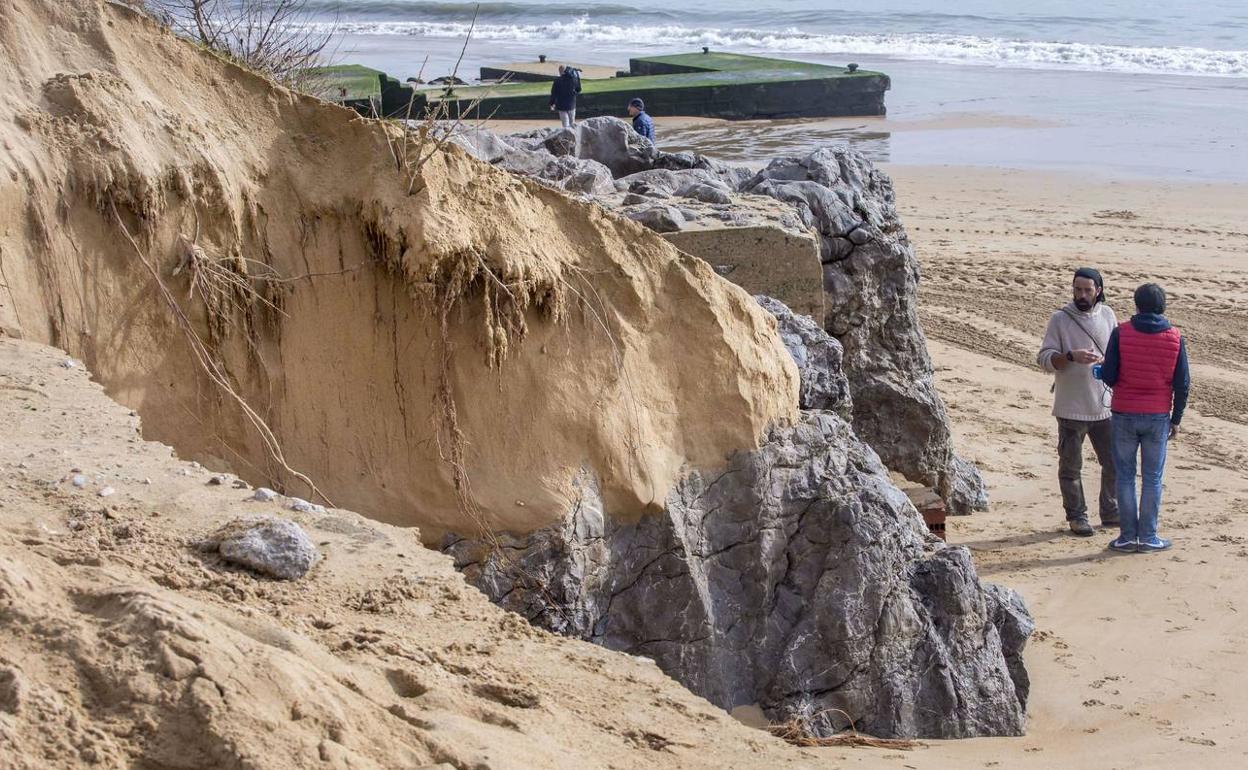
pixel 264 495
pixel 69 363
pixel 79 480
pixel 107 492
pixel 303 506
pixel 147 481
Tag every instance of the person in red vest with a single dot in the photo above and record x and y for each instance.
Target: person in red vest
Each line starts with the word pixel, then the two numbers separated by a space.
pixel 1146 365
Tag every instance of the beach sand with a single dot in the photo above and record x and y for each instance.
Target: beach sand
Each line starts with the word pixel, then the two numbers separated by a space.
pixel 1138 660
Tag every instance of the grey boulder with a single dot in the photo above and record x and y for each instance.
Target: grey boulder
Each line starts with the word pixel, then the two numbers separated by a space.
pixel 615 144
pixel 818 357
pixel 797 578
pixel 661 219
pixel 276 548
pixel 871 282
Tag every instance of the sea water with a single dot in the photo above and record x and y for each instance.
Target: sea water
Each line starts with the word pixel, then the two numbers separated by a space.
pixel 1116 87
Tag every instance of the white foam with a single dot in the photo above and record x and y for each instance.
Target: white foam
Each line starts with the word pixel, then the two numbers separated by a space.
pixel 952 49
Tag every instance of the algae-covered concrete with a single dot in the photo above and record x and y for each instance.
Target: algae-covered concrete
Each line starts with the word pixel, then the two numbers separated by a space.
pixel 730 86
pixel 539 71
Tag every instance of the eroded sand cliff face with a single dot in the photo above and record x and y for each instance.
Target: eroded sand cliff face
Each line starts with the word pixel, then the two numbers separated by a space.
pixel 390 313
pixel 122 644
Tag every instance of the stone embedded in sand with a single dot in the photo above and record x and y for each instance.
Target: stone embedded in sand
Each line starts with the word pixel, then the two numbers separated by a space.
pixel 264 495
pixel 303 506
pixel 12 690
pixel 271 546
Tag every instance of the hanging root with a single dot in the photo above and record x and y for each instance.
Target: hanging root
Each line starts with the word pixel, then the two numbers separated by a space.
pixel 225 286
pixel 214 280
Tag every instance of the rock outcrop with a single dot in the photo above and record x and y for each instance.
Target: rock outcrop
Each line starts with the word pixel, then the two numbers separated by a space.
pixel 870 274
pixel 871 282
pixel 798 578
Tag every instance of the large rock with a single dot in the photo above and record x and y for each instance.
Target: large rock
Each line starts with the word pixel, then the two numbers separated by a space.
pixel 661 219
pixel 797 578
pixel 818 358
pixel 870 275
pixel 871 280
pixel 613 143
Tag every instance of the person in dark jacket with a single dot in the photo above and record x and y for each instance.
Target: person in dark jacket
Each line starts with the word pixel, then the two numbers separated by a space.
pixel 1146 365
pixel 563 95
pixel 642 123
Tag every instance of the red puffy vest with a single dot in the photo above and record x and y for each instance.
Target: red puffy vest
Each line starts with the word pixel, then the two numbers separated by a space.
pixel 1145 370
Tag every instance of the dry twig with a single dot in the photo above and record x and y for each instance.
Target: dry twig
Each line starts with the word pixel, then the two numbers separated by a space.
pixel 798 732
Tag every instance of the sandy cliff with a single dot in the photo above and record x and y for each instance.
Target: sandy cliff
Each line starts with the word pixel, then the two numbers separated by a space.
pixel 351 299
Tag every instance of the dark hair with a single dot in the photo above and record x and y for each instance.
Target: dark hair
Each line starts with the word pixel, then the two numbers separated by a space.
pixel 1093 275
pixel 637 102
pixel 1150 298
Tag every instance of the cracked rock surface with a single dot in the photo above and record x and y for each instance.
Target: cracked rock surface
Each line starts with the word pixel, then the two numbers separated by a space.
pixel 870 274
pixel 798 578
pixel 870 284
pixel 270 546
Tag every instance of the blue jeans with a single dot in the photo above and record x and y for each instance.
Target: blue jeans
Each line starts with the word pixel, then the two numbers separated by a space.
pixel 1145 434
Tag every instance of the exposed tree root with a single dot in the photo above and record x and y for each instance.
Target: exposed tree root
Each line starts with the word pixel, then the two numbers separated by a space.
pixel 204 358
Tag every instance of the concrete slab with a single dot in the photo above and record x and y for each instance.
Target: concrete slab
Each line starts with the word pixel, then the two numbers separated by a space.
pixel 762 259
pixel 531 72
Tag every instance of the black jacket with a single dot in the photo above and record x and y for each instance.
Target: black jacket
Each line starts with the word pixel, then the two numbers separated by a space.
pixel 563 92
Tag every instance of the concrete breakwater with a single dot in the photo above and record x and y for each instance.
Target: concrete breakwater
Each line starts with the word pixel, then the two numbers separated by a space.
pixel 715 85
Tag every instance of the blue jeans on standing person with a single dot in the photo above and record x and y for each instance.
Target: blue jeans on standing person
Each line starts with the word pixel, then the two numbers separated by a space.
pixel 1145 434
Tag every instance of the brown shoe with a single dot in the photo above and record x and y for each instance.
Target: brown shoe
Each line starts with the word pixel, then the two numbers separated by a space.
pixel 1080 527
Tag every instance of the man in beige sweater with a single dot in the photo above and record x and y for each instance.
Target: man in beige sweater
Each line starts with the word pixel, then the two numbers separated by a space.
pixel 1074 342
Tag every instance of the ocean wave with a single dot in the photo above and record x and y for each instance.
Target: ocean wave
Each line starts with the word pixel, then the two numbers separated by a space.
pixel 945 48
pixel 406 9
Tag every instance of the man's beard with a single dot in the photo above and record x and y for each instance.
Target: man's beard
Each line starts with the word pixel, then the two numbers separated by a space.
pixel 1083 304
